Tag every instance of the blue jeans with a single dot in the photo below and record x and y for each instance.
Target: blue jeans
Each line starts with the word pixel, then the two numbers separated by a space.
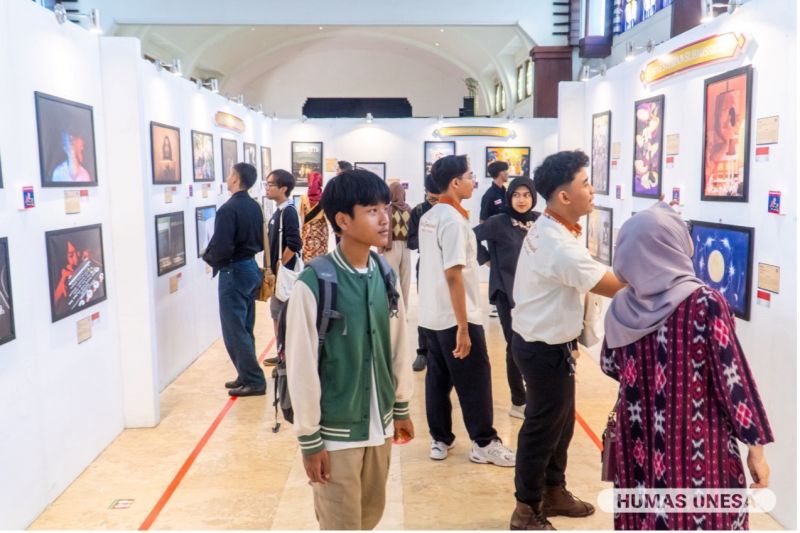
pixel 239 283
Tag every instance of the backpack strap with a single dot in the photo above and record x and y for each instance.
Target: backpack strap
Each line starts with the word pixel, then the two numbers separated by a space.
pixel 390 280
pixel 325 271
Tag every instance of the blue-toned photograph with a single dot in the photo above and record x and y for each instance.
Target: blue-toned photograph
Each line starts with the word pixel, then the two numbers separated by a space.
pixel 723 259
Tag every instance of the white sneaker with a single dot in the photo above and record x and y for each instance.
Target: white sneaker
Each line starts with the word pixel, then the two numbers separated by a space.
pixel 517 411
pixel 493 311
pixel 494 452
pixel 439 450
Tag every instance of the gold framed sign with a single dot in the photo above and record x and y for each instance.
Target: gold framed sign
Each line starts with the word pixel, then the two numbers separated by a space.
pixel 228 121
pixel 473 131
pixel 713 49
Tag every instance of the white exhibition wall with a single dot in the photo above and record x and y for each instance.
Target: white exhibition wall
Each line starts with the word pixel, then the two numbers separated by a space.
pixel 64 401
pixel 769 338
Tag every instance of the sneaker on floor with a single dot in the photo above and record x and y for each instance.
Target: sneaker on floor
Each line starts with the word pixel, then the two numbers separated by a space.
pixel 494 452
pixel 439 450
pixel 517 411
pixel 493 311
pixel 420 362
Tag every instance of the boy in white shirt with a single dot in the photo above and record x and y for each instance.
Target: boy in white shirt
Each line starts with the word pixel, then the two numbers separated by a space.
pixel 554 273
pixel 450 312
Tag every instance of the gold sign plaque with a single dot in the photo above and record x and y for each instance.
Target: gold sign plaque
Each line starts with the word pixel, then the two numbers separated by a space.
pixel 767 130
pixel 473 131
pixel 231 122
pixel 714 49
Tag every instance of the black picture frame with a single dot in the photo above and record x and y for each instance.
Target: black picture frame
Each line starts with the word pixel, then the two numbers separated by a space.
pixel 266 161
pixel 7 328
pixel 428 164
pixel 180 253
pixel 610 229
pixel 659 159
pixel 524 155
pixel 197 220
pixel 91 269
pixel 229 154
pixel 704 235
pixel 174 152
pixel 254 148
pixel 599 153
pixel 371 166
pixel 206 166
pixel 747 73
pixel 316 164
pixel 53 116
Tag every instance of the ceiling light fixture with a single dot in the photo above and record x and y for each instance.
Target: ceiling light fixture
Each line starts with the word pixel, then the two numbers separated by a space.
pixel 711 8
pixel 587 71
pixel 212 84
pixel 440 118
pixel 437 44
pixel 368 118
pixel 631 49
pixel 321 28
pixel 303 118
pixel 93 17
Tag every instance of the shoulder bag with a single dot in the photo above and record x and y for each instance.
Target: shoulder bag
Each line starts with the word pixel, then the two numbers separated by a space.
pixel 286 278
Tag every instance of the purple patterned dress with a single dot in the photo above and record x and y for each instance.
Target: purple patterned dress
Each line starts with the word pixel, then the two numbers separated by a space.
pixel 686 395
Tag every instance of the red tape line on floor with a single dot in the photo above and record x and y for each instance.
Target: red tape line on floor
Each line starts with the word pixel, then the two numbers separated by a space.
pixel 588 430
pixel 148 522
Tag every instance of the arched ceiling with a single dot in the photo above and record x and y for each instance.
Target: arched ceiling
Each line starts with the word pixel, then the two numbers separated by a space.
pixel 240 55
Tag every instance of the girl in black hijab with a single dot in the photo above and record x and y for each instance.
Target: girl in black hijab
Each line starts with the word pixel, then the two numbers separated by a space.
pixel 504 234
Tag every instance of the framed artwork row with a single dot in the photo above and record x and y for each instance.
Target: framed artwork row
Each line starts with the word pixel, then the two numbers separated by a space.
pixel 517 157
pixel 306 158
pixel 435 150
pixel 648 147
pixel 165 147
pixel 203 156
pixel 170 242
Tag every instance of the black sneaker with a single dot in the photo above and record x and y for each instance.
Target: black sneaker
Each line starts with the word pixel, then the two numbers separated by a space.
pixel 420 362
pixel 271 361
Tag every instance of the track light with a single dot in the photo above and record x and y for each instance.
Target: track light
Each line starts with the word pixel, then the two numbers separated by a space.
pixel 93 17
pixel 175 67
pixel 587 71
pixel 440 118
pixel 711 8
pixel 368 118
pixel 631 49
pixel 212 84
pixel 274 115
pixel 303 118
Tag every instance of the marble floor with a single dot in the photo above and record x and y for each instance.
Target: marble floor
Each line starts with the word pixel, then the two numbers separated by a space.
pixel 181 475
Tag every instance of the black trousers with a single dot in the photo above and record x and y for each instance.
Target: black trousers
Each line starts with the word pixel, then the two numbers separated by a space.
pixel 422 341
pixel 549 417
pixel 472 379
pixel 513 374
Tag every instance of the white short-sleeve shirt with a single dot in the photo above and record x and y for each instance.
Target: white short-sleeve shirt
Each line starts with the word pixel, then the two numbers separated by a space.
pixel 446 240
pixel 554 273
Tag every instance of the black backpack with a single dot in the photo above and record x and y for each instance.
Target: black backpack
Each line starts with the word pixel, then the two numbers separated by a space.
pixel 325 271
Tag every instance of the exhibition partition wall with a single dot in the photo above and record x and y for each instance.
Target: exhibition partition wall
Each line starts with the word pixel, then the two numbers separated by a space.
pixel 719 139
pixel 103 301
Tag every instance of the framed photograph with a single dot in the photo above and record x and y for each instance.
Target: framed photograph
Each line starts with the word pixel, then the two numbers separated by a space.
pixel 723 259
pixel 435 150
pixel 379 169
pixel 648 147
pixel 204 220
pixel 67 155
pixel 517 157
pixel 165 154
pixel 306 158
pixel 250 154
pixel 7 332
pixel 76 269
pixel 203 156
pixel 170 242
pixel 726 131
pixel 601 151
pixel 599 234
pixel 230 156
pixel 266 161
pixel 268 206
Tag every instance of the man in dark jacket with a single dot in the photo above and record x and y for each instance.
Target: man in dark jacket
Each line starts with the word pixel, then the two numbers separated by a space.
pixel 284 232
pixel 431 199
pixel 238 236
pixel 494 199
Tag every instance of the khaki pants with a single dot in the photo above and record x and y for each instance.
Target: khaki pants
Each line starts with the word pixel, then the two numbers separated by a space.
pixel 399 258
pixel 355 496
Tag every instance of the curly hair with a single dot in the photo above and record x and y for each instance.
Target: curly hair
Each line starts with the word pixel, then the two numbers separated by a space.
pixel 558 170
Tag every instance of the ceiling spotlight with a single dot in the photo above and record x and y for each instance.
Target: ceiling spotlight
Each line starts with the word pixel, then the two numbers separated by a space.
pixel 93 17
pixel 174 67
pixel 368 118
pixel 631 49
pixel 321 28
pixel 441 30
pixel 587 71
pixel 212 84
pixel 711 8
pixel 437 44
pixel 440 118
pixel 303 118
pixel 274 116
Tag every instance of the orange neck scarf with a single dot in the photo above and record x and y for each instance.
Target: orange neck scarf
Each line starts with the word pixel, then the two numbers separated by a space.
pixel 575 229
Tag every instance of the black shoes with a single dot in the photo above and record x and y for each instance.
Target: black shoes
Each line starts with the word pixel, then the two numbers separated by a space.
pixel 271 361
pixel 420 362
pixel 248 390
pixel 235 384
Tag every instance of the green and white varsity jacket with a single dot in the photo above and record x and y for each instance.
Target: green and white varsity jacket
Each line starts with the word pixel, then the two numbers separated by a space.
pixel 330 390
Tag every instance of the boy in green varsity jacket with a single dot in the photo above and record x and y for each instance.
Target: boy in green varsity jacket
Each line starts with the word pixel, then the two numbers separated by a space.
pixel 350 397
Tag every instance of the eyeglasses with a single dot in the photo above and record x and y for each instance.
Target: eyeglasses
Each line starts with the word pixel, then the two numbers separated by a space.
pixel 271 184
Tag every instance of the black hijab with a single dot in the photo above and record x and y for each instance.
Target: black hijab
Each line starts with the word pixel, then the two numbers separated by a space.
pixel 515 184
